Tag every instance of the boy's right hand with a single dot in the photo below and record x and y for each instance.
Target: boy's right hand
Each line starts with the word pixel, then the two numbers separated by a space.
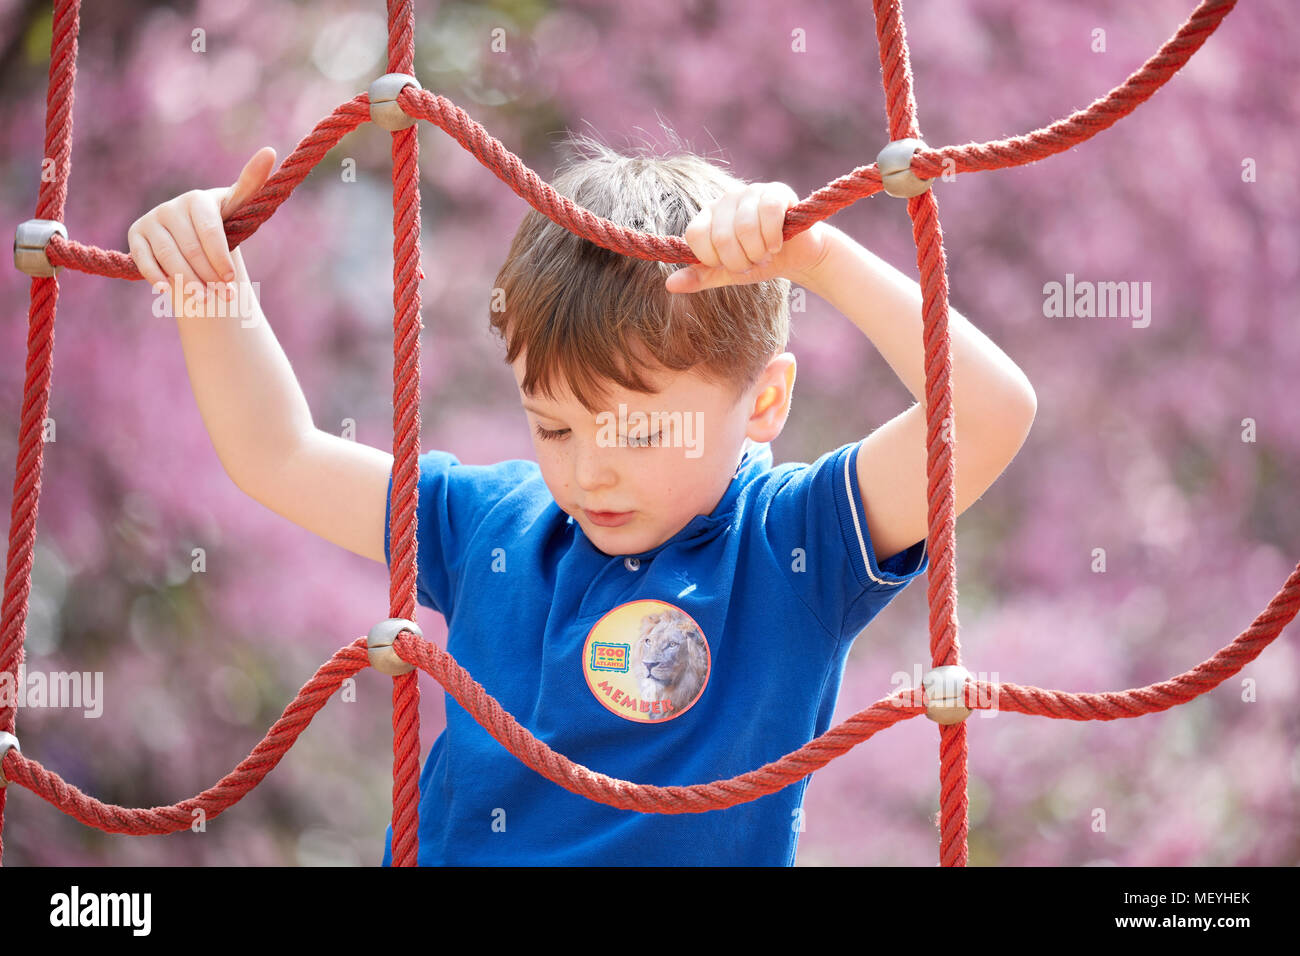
pixel 184 240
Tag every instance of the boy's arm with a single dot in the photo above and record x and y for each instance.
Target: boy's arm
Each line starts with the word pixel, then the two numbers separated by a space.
pixel 334 487
pixel 261 427
pixel 993 402
pixel 252 405
pixel 738 239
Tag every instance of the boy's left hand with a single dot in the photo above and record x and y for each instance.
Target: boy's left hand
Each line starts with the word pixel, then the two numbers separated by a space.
pixel 738 241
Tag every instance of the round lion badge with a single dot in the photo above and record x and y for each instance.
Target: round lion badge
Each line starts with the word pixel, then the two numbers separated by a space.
pixel 646 661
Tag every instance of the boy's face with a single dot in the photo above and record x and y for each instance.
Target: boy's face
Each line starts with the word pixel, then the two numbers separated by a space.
pixel 657 460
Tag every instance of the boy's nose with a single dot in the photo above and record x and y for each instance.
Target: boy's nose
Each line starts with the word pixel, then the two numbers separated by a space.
pixel 591 467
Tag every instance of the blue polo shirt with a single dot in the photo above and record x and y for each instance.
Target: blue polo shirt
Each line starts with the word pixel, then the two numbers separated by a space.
pixel 708 656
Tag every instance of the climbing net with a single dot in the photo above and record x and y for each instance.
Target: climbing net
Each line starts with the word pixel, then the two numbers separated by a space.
pixel 396 102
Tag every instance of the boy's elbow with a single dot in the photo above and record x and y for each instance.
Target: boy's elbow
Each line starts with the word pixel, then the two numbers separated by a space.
pixel 1031 404
pixel 1021 400
pixel 259 472
pixel 1014 415
pixel 1026 410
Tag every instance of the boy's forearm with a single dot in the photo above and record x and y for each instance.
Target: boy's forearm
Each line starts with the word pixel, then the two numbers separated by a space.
pixel 250 400
pixel 886 305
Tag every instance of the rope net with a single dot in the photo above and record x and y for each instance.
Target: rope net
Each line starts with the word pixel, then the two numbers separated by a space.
pixel 945 649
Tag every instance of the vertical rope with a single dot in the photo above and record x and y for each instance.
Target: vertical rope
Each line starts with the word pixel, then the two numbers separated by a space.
pixel 406 438
pixel 940 439
pixel 50 202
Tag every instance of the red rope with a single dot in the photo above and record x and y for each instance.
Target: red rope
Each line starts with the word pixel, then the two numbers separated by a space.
pixel 903 704
pixel 52 195
pixel 864 181
pixel 941 514
pixel 244 222
pixel 406 438
pixel 1082 125
pixel 407 273
pixel 346 662
pixel 696 798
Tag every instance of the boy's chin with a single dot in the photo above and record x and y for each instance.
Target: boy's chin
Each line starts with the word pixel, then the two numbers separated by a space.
pixel 622 541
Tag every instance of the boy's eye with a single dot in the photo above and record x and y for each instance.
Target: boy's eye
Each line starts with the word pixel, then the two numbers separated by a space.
pixel 635 442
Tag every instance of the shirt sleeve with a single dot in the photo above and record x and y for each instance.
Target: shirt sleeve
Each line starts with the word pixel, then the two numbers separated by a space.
pixel 453 502
pixel 817 530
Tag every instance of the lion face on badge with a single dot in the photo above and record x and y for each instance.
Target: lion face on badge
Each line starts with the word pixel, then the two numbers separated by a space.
pixel 670 660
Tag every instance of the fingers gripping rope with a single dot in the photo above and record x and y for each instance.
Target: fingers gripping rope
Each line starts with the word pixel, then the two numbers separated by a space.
pixel 905 168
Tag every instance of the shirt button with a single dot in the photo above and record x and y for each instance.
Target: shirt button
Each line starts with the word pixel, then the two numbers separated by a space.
pixel 632 564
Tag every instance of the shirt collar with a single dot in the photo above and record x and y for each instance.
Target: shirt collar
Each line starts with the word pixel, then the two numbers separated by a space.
pixel 756 459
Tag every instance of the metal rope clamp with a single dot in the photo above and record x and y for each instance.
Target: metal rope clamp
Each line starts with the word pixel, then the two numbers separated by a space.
pixel 895 166
pixel 7 742
pixel 945 699
pixel 384 110
pixel 30 239
pixel 379 643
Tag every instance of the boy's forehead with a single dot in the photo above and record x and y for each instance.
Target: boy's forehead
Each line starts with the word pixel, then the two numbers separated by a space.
pixel 685 387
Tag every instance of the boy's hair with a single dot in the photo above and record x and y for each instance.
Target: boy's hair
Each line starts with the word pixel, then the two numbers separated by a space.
pixel 590 316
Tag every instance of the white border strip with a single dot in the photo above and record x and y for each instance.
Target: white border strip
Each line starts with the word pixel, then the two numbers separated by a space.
pixel 857 525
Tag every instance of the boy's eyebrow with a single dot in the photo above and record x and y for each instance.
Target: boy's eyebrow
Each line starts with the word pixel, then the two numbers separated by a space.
pixel 539 411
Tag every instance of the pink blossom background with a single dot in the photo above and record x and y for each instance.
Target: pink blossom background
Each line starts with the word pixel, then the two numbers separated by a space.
pixel 1137 447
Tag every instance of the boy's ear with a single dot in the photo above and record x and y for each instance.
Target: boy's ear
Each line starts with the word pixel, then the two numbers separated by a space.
pixel 772 405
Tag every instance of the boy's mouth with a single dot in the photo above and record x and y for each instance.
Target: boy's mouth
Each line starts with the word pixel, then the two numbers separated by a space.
pixel 608 519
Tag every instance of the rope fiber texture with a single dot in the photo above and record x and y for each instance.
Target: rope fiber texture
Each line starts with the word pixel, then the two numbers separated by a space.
pixel 862 182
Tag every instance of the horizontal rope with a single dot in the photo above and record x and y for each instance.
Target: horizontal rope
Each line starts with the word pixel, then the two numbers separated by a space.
pixel 829 199
pixel 246 220
pixel 904 704
pixel 694 798
pixel 19 769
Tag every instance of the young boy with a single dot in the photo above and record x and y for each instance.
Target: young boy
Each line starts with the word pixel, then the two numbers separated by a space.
pixel 652 597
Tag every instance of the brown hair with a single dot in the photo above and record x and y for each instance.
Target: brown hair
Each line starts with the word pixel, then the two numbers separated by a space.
pixel 593 316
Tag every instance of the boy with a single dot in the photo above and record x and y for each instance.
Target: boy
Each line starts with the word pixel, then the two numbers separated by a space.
pixel 652 597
